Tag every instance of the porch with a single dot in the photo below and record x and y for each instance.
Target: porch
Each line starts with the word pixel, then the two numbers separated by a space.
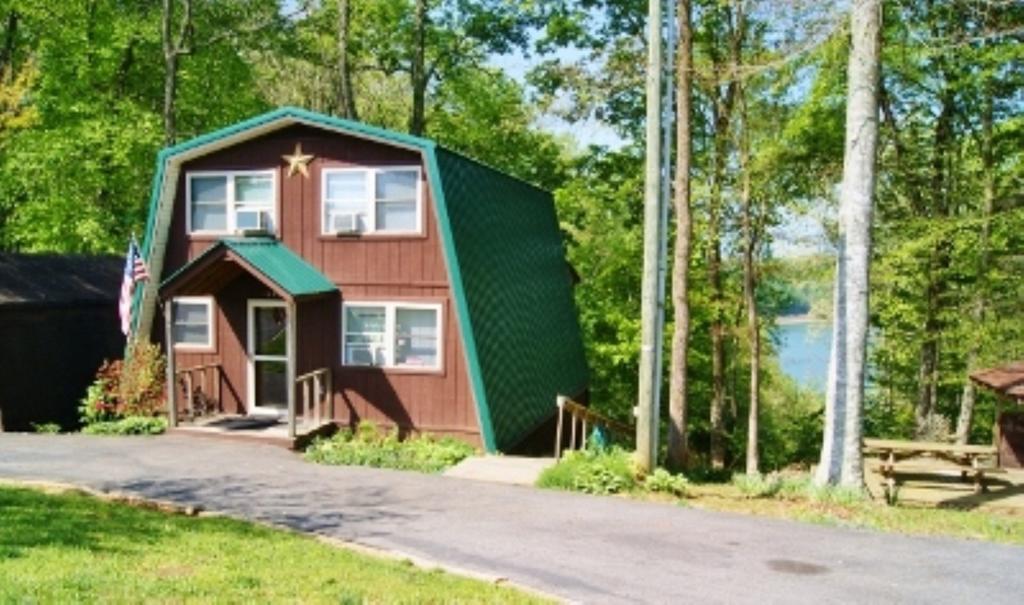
pixel 247 327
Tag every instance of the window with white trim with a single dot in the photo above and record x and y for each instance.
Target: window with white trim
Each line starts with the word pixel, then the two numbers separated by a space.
pixel 192 322
pixel 372 200
pixel 392 335
pixel 228 202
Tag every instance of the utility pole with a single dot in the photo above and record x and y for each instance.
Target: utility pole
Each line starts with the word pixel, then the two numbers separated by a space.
pixel 667 116
pixel 647 405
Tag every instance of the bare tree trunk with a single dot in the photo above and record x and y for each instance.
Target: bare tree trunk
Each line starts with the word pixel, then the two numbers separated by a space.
pixel 966 416
pixel 346 101
pixel 418 71
pixel 841 461
pixel 678 447
pixel 174 47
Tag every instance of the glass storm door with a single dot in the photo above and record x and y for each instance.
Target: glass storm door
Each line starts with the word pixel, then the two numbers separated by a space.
pixel 268 357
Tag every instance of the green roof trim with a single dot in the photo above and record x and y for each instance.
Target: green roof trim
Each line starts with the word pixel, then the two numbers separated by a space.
pixel 274 261
pixel 503 251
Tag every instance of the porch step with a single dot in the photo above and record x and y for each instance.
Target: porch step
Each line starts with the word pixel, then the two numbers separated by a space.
pixel 514 470
pixel 254 429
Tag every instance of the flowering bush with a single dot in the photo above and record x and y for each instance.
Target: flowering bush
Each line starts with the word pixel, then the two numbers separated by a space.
pixel 126 389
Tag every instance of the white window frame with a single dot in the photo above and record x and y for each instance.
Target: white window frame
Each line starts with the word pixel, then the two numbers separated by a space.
pixel 390 322
pixel 207 301
pixel 231 201
pixel 370 203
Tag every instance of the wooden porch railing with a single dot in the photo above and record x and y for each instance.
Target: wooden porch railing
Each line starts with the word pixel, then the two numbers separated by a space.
pixel 583 418
pixel 199 401
pixel 317 400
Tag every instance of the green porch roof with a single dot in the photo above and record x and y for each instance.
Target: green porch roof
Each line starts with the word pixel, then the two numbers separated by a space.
pixel 271 259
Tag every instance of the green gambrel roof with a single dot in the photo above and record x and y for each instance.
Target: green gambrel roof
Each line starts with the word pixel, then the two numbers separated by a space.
pixel 503 249
pixel 274 261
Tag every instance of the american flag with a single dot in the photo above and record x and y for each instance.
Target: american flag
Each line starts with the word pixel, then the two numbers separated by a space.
pixel 134 271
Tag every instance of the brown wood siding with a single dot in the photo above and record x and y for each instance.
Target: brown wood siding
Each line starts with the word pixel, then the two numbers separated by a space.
pixel 367 267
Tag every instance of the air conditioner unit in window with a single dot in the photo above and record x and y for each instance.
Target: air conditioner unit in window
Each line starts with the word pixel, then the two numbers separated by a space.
pixel 344 222
pixel 251 222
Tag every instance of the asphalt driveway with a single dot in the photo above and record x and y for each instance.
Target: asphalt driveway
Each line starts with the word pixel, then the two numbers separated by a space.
pixel 586 549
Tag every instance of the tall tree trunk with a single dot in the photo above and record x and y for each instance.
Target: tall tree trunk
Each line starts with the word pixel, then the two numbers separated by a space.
pixel 174 47
pixel 841 461
pixel 418 71
pixel 7 48
pixel 345 101
pixel 678 447
pixel 928 371
pixel 725 102
pixel 966 416
pixel 750 293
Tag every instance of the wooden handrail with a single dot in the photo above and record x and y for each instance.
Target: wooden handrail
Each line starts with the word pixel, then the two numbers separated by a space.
pixel 317 391
pixel 189 377
pixel 582 417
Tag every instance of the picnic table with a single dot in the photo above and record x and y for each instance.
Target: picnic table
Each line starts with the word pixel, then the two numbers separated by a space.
pixel 973 461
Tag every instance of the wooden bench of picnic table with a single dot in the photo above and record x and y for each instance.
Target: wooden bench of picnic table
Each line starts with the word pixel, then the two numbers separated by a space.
pixel 968 459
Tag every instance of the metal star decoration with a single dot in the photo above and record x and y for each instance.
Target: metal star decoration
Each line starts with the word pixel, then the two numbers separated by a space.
pixel 298 161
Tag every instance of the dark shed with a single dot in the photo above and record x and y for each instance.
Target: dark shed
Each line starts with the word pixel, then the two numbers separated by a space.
pixel 58 322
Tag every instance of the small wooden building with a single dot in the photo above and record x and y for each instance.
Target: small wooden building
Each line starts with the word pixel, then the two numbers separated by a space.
pixel 58 322
pixel 1007 382
pixel 296 253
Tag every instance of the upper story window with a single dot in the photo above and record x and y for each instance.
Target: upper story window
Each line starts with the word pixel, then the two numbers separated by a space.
pixel 372 200
pixel 222 203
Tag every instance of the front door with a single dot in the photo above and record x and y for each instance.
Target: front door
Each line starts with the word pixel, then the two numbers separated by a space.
pixel 268 357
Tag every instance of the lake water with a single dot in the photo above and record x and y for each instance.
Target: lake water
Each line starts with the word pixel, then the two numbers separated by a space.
pixel 803 349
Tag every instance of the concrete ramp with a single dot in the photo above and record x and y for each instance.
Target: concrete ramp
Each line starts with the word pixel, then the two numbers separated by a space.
pixel 514 470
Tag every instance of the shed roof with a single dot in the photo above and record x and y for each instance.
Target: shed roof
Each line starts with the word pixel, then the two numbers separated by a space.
pixel 1007 380
pixel 55 279
pixel 270 260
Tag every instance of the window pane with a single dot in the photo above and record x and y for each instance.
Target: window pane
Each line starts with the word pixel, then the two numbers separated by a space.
pixel 416 337
pixel 364 320
pixel 254 189
pixel 348 185
pixel 396 216
pixel 396 185
pixel 190 313
pixel 188 334
pixel 209 218
pixel 209 189
pixel 248 218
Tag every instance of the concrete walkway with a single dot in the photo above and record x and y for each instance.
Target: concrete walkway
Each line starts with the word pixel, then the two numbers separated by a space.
pixel 587 549
pixel 512 470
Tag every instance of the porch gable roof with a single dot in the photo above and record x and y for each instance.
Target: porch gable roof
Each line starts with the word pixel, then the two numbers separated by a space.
pixel 269 260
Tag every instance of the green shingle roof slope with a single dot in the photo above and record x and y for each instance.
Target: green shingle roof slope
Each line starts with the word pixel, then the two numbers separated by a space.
pixel 509 278
pixel 274 261
pixel 519 293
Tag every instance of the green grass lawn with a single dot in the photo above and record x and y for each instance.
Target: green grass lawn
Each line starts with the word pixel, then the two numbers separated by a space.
pixel 62 548
pixel 863 513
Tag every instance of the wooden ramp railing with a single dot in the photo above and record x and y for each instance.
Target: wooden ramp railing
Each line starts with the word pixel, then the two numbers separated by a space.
pixel 317 402
pixel 582 418
pixel 199 400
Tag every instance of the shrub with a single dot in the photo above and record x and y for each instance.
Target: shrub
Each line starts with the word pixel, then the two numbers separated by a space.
pixel 130 390
pixel 46 427
pixel 592 471
pixel 662 481
pixel 129 425
pixel 367 446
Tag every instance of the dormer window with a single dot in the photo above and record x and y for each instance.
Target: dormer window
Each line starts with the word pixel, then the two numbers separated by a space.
pixel 228 203
pixel 372 200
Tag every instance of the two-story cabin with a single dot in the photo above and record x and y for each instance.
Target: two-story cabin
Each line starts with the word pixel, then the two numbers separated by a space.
pixel 297 253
